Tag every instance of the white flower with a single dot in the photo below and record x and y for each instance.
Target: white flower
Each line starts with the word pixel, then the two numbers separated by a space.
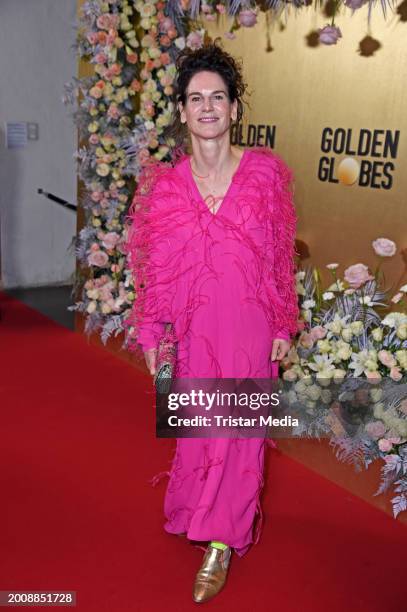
pixel 337 286
pixel 149 125
pixel 401 331
pixel 323 365
pixel 344 351
pixel 394 319
pixel 403 288
pixel 328 295
pixel 366 300
pixel 324 346
pixel 337 324
pixel 357 327
pixel 91 307
pixel 347 334
pixel 332 266
pixel 339 374
pixel 377 334
pixel 363 361
pixel 180 42
pixel 300 289
pixel 308 304
pixel 301 275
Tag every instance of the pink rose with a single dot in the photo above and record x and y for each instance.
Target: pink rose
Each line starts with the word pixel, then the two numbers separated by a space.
pixel 357 275
pixel 329 35
pixel 300 325
pixel 395 373
pixel 318 332
pixel 386 358
pixel 385 445
pixel 113 112
pixel 247 18
pixel 166 24
pixel 194 41
pixel 92 37
pixel 98 258
pixel 103 22
pixel 110 240
pixel 101 58
pixel 96 196
pixel 376 429
pixel 384 247
pixel 306 340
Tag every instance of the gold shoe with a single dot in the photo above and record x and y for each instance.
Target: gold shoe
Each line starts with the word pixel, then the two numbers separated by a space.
pixel 212 576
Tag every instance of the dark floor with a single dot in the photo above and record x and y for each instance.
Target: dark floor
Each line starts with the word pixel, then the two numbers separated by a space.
pixel 53 302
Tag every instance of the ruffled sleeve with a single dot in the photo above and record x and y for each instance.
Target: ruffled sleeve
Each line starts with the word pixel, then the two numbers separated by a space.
pixel 148 254
pixel 280 248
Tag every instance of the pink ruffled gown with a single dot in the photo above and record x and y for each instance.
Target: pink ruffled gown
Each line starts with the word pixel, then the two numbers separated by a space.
pixel 226 282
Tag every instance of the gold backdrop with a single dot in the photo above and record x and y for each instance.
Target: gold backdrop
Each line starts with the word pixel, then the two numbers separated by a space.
pixel 317 102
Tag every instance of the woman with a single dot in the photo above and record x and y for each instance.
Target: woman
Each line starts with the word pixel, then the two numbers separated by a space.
pixel 211 246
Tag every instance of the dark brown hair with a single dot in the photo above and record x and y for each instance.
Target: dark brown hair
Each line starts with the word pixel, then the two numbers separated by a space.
pixel 213 58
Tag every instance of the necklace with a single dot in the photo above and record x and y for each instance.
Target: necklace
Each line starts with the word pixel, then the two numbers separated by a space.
pixel 197 175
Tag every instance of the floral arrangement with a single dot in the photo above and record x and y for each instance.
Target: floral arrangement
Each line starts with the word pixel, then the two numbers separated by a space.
pixel 348 367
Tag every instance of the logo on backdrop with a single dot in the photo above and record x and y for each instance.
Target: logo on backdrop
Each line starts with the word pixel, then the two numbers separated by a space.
pixel 253 135
pixel 381 145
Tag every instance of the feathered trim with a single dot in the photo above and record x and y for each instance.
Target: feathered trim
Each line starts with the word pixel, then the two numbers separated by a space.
pixel 142 248
pixel 273 179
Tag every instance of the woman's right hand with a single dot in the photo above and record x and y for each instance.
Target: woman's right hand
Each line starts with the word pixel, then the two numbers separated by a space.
pixel 151 360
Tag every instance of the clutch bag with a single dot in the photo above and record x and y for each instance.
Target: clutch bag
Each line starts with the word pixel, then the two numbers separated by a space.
pixel 166 359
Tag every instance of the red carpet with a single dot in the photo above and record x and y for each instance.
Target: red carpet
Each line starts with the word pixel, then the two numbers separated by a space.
pixel 77 512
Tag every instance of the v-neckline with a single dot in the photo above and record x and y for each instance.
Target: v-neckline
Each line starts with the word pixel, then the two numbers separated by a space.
pixel 229 189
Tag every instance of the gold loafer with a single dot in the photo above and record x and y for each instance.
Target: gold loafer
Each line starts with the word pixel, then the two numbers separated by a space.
pixel 212 575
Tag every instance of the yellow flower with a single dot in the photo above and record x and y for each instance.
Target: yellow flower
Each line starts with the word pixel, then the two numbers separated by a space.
pixel 93 127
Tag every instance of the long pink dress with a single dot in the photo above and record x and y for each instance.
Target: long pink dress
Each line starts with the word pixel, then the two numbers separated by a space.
pixel 226 282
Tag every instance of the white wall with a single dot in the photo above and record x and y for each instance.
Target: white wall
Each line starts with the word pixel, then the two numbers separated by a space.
pixel 36 59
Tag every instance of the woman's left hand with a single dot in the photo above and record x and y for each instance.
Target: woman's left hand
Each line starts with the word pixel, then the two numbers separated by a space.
pixel 280 349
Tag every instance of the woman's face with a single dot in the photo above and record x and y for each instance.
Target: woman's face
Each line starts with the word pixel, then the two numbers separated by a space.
pixel 208 112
